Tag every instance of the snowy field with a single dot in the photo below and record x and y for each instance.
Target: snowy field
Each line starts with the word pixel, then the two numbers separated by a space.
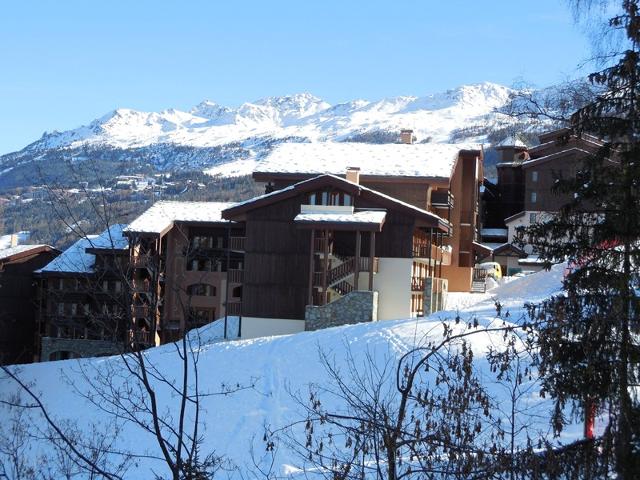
pixel 278 368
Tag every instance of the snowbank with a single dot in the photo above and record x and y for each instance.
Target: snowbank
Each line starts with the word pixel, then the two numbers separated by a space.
pixel 279 367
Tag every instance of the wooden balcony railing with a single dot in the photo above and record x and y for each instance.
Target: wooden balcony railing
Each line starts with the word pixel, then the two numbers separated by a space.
pixel 479 274
pixel 344 270
pixel 237 243
pixel 142 261
pixel 143 286
pixel 234 308
pixel 417 284
pixel 435 253
pixel 235 275
pixel 142 311
pixel 319 243
pixel 141 338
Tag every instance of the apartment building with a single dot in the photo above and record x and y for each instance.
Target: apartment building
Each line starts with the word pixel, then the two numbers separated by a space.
pixel 83 298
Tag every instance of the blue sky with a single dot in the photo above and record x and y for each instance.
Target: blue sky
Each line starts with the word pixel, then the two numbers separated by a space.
pixel 65 63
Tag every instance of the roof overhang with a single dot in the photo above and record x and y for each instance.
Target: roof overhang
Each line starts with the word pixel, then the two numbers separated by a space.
pixel 366 221
pixel 422 217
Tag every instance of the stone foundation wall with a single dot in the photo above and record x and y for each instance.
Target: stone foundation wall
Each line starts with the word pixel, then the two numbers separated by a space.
pixel 80 347
pixel 355 307
pixel 434 295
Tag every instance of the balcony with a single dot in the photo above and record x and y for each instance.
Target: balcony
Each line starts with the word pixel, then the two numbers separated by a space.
pixel 435 253
pixel 234 308
pixel 142 311
pixel 235 275
pixel 141 286
pixel 237 243
pixel 142 338
pixel 142 261
pixel 417 284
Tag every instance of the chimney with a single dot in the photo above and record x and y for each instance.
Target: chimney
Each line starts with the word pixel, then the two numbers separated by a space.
pixel 353 174
pixel 14 240
pixel 406 136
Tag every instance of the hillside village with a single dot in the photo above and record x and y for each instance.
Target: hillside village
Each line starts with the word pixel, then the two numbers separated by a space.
pixel 299 287
pixel 344 233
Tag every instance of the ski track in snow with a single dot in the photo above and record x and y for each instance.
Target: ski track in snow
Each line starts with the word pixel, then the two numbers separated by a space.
pixel 235 423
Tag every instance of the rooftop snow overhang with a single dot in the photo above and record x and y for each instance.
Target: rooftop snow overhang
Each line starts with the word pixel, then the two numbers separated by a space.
pixel 555 156
pixel 483 249
pixel 296 177
pixel 417 163
pixel 13 254
pixel 423 218
pixel 366 220
pixel 158 222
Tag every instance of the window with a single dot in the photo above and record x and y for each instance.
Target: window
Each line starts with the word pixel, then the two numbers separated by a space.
pixel 118 286
pixel 201 316
pixel 201 289
pixel 534 197
pixel 74 309
pixel 532 218
pixel 61 309
pixel 333 198
pixel 534 176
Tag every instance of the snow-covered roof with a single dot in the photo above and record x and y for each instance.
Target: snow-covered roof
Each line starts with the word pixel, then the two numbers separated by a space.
pixel 512 141
pixel 75 259
pixel 301 185
pixel 435 160
pixel 494 232
pixel 366 216
pixel 11 251
pixel 162 215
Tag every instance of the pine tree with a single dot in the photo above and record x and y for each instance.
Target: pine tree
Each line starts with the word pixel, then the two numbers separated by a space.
pixel 589 338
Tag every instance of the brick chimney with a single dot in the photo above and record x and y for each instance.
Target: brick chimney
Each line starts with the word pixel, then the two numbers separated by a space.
pixel 353 174
pixel 14 240
pixel 406 136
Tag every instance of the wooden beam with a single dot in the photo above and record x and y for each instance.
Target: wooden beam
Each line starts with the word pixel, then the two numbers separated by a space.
pixel 311 266
pixel 429 246
pixel 325 267
pixel 356 272
pixel 372 251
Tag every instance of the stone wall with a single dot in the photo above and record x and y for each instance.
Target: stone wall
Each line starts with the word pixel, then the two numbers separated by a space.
pixel 79 347
pixel 355 307
pixel 434 295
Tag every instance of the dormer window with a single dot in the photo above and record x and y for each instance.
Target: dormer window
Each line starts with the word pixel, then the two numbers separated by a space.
pixel 332 198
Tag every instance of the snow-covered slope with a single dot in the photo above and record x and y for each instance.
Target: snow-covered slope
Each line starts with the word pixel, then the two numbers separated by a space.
pixel 280 367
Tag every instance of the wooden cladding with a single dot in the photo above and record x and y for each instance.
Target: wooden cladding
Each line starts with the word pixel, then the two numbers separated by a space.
pixel 237 243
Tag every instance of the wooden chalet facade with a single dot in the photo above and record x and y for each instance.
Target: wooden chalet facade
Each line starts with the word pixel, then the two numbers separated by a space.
pixel 314 242
pixel 442 179
pixel 18 300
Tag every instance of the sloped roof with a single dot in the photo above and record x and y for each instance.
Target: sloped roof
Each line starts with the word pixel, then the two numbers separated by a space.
pixel 512 141
pixel 429 160
pixel 371 220
pixel 321 181
pixel 162 215
pixel 8 253
pixel 76 259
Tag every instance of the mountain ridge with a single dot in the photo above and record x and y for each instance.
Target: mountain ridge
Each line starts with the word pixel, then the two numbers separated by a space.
pixel 210 135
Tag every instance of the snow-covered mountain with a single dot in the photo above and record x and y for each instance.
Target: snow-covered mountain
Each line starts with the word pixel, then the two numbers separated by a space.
pixel 211 135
